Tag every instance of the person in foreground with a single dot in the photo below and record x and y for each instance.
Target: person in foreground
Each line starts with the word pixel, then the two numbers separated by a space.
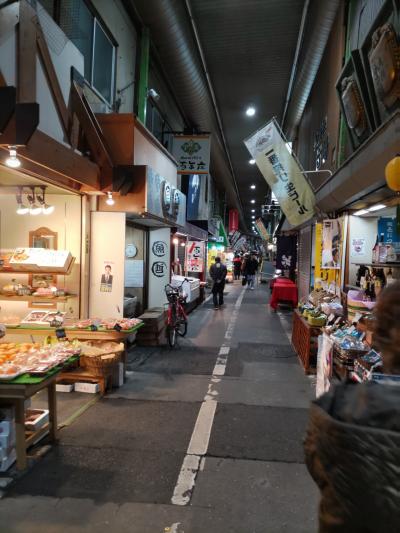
pixel 218 272
pixel 352 445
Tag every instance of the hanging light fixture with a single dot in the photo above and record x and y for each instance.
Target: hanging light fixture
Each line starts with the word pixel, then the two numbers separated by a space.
pixel 12 160
pixel 34 209
pixel 110 200
pixel 46 208
pixel 21 208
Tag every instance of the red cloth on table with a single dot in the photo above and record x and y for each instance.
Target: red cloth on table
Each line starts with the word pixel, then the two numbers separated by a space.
pixel 284 290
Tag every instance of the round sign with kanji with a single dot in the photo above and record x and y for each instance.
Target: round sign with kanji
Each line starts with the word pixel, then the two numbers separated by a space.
pixel 159 248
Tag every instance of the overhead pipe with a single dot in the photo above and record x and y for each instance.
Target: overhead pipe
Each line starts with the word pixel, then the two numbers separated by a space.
pixel 321 15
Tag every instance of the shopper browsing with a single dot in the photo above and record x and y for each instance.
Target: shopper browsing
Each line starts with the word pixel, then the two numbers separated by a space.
pixel 353 441
pixel 218 273
pixel 250 269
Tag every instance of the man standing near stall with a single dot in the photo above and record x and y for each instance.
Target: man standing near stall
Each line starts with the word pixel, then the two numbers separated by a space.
pixel 218 272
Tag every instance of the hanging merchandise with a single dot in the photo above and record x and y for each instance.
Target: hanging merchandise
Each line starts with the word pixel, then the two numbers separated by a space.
pixel 282 172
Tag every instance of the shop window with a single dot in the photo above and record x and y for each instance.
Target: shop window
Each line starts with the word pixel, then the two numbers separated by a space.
pixel 83 28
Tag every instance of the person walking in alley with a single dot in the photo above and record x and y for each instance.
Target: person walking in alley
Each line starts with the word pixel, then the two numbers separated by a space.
pixel 237 266
pixel 218 272
pixel 250 268
pixel 353 441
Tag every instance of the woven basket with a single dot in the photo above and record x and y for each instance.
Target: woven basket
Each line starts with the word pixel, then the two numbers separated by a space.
pixel 100 365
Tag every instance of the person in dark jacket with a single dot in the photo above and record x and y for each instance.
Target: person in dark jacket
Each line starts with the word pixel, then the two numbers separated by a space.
pixel 237 266
pixel 218 272
pixel 352 445
pixel 250 268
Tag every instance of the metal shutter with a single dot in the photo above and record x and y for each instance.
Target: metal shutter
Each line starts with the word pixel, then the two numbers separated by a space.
pixel 304 262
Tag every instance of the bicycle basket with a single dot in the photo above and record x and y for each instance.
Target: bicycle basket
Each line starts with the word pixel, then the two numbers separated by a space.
pixel 171 294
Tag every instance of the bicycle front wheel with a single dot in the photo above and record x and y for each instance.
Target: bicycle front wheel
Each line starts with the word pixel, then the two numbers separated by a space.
pixel 171 335
pixel 181 327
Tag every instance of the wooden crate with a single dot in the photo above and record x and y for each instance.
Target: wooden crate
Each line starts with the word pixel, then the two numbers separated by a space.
pixel 303 340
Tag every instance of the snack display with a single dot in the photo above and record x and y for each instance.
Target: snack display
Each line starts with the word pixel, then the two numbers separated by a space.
pixel 33 358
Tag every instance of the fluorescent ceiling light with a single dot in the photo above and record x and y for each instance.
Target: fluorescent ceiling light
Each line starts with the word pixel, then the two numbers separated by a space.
pixel 376 207
pixel 250 111
pixel 252 186
pixel 253 210
pixel 253 201
pixel 252 161
pixel 361 212
pixel 253 216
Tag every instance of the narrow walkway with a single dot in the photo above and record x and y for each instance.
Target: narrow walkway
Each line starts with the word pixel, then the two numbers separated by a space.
pixel 206 438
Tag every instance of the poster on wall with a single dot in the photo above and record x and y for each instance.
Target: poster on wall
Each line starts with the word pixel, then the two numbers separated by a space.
pixel 324 275
pixel 358 246
pixel 195 256
pixel 134 273
pixel 332 239
pixel 192 153
pixel 107 277
pixel 282 172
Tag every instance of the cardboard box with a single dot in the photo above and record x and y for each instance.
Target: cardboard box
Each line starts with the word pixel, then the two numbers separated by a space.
pixel 36 418
pixel 65 387
pixel 83 386
pixel 8 461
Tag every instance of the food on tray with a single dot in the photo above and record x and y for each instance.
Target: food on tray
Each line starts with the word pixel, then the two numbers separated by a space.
pixel 20 254
pixel 123 323
pixel 11 288
pixel 47 292
pixel 10 320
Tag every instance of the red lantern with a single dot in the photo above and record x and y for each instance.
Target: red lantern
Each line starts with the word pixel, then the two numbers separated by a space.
pixel 233 220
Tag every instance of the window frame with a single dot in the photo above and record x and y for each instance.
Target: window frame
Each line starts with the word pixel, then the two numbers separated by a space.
pixel 97 19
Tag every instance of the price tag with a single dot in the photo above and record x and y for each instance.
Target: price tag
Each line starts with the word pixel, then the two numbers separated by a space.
pixel 60 333
pixel 117 327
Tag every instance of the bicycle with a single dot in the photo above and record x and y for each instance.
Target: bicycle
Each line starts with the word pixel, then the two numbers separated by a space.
pixel 176 315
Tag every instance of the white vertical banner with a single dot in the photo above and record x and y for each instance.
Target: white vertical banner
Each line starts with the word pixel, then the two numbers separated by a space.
pixel 282 172
pixel 159 265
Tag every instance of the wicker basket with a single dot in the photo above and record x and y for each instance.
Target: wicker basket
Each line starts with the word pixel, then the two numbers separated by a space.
pixel 100 365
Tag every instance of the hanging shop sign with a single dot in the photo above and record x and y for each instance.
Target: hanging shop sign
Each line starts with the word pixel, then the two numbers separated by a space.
pixel 388 228
pixel 332 239
pixel 233 220
pixel 192 153
pixel 262 230
pixel 283 173
pixel 195 256
pixel 164 200
pixel 286 252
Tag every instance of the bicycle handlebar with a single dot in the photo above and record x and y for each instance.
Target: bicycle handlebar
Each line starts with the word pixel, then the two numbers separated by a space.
pixel 178 286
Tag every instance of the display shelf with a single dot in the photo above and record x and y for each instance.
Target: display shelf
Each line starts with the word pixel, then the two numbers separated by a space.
pixel 55 272
pixel 37 299
pixel 379 265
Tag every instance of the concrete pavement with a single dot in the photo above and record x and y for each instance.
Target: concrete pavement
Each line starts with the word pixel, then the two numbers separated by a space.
pixel 232 397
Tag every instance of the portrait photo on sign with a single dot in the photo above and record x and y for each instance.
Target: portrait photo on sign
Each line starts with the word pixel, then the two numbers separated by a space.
pixel 331 243
pixel 106 279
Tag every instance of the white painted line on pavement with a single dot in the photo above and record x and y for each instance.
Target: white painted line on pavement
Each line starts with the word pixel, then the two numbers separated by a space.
pixel 202 430
pixel 187 476
pixel 200 439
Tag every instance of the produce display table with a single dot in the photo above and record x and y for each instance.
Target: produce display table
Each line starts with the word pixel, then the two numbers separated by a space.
pixel 302 337
pixel 15 394
pixel 284 290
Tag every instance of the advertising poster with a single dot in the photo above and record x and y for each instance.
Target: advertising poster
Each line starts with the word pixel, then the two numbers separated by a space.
pixel 358 246
pixel 332 240
pixel 327 275
pixel 195 256
pixel 282 172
